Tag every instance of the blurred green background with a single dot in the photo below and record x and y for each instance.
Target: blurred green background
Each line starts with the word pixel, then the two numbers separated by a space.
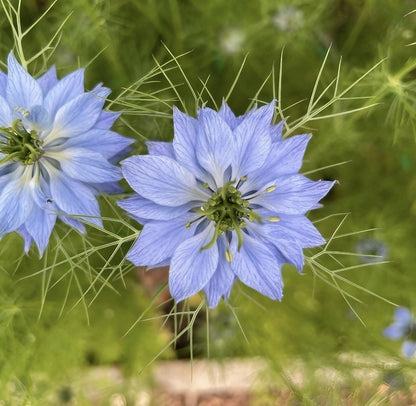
pixel 61 317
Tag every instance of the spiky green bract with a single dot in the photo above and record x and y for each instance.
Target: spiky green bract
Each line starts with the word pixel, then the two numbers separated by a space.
pixel 224 201
pixel 56 152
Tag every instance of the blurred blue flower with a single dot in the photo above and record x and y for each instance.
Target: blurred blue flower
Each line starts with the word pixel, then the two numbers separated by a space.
pixel 223 201
pixel 404 327
pixel 371 250
pixel 55 152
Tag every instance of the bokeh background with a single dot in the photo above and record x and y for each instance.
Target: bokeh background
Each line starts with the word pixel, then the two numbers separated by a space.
pixel 64 317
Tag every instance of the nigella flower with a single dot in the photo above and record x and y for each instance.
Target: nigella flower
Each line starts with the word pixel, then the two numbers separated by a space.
pixel 55 152
pixel 404 327
pixel 223 201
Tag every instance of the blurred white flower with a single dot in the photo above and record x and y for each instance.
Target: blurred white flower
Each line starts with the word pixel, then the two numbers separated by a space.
pixel 288 19
pixel 232 41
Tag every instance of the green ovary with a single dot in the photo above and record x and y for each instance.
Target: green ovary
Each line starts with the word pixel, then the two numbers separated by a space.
pixel 227 208
pixel 17 144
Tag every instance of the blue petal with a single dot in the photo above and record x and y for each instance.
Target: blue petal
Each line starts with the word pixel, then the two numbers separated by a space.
pixel 394 332
pixel 3 84
pixel 106 119
pixel 144 208
pixel 184 142
pixel 292 227
pixel 228 116
pixel 409 349
pixel 16 199
pixel 48 80
pixel 253 140
pixel 277 130
pixel 285 158
pixel 403 316
pixel 161 148
pixel 101 91
pixel 191 268
pixel 76 117
pixel 158 241
pixel 40 224
pixel 78 225
pixel 85 165
pixel 221 283
pixel 106 142
pixel 22 90
pixel 6 117
pixel 26 237
pixel 108 187
pixel 73 197
pixel 162 180
pixel 293 195
pixel 289 250
pixel 216 145
pixel 256 266
pixel 64 91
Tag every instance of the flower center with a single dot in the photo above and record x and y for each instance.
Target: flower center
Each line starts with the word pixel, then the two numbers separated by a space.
pixel 230 211
pixel 17 144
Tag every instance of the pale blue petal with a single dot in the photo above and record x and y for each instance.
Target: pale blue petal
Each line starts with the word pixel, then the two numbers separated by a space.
pixel 256 266
pixel 3 84
pixel 293 195
pixel 221 283
pixel 276 131
pixel 6 117
pixel 101 91
pixel 228 116
pixel 78 225
pixel 161 148
pixel 22 89
pixel 159 240
pixel 294 227
pixel 86 165
pixel 48 80
pixel 253 140
pixel 285 158
pixel 403 316
pixel 288 249
pixel 184 142
pixel 26 238
pixel 191 268
pixel 106 142
pixel 216 145
pixel 16 199
pixel 394 332
pixel 106 119
pixel 73 197
pixel 64 91
pixel 40 224
pixel 77 116
pixel 144 208
pixel 108 188
pixel 409 348
pixel 162 180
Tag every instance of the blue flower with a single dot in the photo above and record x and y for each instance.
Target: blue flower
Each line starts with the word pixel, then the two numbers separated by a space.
pixel 404 327
pixel 56 152
pixel 223 201
pixel 371 250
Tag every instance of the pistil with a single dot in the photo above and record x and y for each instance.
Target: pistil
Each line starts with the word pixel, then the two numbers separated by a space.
pixel 18 144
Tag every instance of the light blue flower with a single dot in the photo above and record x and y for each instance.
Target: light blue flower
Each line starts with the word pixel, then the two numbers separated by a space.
pixel 56 152
pixel 223 201
pixel 404 327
